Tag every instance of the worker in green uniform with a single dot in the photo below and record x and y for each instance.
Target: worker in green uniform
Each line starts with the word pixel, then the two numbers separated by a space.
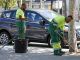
pixel 20 16
pixel 56 29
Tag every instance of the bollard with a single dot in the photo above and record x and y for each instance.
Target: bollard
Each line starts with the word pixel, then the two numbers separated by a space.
pixel 21 46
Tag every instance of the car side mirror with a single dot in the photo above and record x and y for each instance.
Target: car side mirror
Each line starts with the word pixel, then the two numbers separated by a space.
pixel 42 22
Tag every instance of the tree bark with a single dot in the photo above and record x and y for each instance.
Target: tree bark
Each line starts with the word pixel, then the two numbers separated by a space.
pixel 72 32
pixel 64 8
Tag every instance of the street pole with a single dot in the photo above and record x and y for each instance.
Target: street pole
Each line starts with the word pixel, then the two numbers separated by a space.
pixel 72 31
pixel 58 7
pixel 30 4
pixel 51 4
pixel 23 1
pixel 64 7
pixel 19 2
pixel 41 4
pixel 5 5
pixel 67 7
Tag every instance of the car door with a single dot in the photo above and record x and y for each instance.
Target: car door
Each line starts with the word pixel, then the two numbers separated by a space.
pixel 35 29
pixel 13 23
pixel 5 21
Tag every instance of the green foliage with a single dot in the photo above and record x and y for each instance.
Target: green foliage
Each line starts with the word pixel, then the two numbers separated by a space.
pixel 1 2
pixel 12 3
pixel 8 3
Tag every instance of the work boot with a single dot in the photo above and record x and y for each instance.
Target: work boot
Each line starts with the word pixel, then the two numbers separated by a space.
pixel 58 52
pixel 61 52
pixel 55 52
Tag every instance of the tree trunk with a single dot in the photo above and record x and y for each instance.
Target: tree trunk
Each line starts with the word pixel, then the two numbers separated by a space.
pixel 64 8
pixel 72 32
pixel 30 4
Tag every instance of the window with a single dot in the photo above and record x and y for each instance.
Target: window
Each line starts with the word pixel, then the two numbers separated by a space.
pixel 38 17
pixel 7 15
pixel 13 15
pixel 29 16
pixel 34 16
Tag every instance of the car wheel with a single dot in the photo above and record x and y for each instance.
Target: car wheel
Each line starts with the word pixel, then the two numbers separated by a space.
pixel 4 37
pixel 49 42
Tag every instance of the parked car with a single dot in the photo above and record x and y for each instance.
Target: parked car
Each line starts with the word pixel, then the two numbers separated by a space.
pixel 37 25
pixel 77 28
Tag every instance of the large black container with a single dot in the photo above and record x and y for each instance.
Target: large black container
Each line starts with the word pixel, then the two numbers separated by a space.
pixel 21 46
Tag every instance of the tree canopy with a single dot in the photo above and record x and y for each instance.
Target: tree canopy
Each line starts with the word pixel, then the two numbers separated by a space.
pixel 8 3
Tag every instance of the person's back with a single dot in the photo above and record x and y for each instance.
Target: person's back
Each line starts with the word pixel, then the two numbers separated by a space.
pixel 19 13
pixel 60 20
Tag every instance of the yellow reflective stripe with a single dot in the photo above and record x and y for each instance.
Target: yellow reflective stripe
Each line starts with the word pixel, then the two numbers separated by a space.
pixel 56 46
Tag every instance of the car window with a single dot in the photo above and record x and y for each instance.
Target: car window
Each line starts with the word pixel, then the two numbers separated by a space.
pixel 34 16
pixel 38 17
pixel 7 15
pixel 48 14
pixel 30 16
pixel 13 14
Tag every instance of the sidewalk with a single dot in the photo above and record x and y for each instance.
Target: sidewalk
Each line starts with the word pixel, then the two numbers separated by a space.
pixel 70 54
pixel 39 53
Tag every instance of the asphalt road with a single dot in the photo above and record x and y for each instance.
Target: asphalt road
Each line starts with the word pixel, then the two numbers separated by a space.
pixel 35 52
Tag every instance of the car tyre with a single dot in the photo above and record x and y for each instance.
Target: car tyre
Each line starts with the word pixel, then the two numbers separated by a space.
pixel 4 38
pixel 49 42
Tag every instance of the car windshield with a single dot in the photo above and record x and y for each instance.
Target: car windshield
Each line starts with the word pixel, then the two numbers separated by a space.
pixel 49 14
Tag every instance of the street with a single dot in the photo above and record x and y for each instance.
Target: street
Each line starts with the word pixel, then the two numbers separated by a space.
pixel 35 52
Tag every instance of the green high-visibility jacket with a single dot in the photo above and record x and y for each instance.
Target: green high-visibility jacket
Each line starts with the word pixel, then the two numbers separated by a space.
pixel 21 24
pixel 60 20
pixel 20 12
